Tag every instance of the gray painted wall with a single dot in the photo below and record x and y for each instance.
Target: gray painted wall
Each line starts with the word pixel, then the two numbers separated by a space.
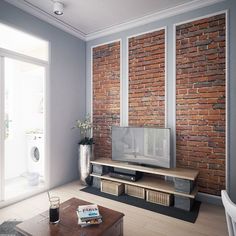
pixel 169 22
pixel 67 83
pixel 66 88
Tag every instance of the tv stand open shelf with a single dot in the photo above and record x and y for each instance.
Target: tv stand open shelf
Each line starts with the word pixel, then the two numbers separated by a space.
pixel 150 178
pixel 183 173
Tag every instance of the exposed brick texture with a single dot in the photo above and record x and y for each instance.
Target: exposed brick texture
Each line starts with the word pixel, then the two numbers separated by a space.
pixel 147 79
pixel 200 100
pixel 106 96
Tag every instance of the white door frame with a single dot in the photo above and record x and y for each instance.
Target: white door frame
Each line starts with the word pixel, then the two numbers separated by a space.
pixel 21 57
pixel 2 130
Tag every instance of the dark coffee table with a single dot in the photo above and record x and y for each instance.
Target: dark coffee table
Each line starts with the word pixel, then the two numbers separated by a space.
pixel 68 226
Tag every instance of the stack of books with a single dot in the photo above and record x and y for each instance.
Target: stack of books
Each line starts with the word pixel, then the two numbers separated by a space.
pixel 88 215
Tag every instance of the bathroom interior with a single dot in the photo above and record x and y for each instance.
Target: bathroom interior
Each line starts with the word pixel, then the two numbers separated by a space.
pixel 24 128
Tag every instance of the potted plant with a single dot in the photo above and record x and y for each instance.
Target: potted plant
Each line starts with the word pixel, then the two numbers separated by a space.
pixel 85 149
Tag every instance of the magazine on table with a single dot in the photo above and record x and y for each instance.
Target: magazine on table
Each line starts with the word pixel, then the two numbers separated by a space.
pixel 89 222
pixel 88 213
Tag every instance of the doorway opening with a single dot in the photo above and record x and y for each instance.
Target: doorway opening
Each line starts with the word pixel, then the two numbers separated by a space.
pixel 24 70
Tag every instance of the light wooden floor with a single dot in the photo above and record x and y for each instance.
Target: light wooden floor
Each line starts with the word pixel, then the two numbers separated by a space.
pixel 137 222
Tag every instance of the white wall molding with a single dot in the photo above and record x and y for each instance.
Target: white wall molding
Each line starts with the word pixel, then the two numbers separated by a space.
pixel 201 17
pixel 91 77
pixel 121 85
pixel 227 120
pixel 226 12
pixel 166 73
pixel 152 17
pixel 174 96
pixel 126 93
pixel 35 11
pixel 208 198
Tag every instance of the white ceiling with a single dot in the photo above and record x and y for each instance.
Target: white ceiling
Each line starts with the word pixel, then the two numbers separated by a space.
pixel 90 16
pixel 89 19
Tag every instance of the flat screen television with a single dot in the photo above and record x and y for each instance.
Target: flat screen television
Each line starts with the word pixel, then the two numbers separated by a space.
pixel 141 145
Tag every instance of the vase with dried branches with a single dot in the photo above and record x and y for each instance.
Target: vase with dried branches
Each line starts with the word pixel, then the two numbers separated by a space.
pixel 85 149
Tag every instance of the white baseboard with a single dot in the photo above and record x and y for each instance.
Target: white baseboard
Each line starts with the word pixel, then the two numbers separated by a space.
pixel 208 198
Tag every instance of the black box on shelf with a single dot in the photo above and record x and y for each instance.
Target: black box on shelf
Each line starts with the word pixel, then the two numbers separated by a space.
pixel 124 176
pixel 124 171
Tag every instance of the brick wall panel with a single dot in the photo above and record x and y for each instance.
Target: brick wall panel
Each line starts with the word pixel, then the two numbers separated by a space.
pixel 106 96
pixel 200 100
pixel 147 79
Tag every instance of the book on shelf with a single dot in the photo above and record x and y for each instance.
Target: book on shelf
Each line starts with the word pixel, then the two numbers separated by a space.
pixel 88 215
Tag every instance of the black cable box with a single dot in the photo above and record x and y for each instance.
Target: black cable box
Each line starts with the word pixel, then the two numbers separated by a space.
pixel 124 176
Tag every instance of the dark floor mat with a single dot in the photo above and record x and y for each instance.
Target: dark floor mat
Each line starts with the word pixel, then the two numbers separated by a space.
pixel 189 216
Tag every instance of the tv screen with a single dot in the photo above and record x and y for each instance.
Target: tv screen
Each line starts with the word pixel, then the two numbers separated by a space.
pixel 141 145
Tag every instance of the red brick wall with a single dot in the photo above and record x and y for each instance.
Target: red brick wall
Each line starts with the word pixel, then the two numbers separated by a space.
pixel 200 100
pixel 147 79
pixel 106 96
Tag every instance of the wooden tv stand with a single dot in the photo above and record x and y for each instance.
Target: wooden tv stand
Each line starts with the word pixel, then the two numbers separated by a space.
pixel 151 180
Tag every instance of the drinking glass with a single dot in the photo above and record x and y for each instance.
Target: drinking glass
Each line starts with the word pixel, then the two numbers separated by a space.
pixel 54 210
